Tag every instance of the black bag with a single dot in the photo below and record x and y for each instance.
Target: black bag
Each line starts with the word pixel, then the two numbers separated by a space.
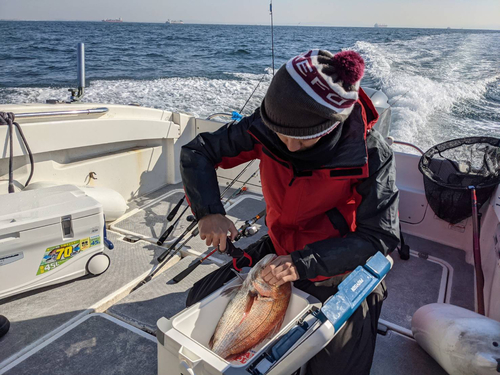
pixel 450 168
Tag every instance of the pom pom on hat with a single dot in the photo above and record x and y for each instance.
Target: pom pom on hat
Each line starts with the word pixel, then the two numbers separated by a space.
pixel 350 66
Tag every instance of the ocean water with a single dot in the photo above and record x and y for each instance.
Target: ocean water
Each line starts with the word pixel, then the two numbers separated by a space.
pixel 442 84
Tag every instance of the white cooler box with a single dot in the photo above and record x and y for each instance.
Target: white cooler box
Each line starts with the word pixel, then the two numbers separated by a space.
pixel 308 327
pixel 48 236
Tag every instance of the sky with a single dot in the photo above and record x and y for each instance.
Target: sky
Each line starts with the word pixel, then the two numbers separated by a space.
pixel 468 14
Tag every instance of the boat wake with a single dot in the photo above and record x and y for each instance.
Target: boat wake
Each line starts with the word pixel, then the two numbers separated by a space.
pixel 437 93
pixel 439 87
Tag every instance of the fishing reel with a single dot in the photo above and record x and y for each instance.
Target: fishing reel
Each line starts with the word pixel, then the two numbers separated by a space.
pixel 249 228
pixel 250 231
pixel 246 230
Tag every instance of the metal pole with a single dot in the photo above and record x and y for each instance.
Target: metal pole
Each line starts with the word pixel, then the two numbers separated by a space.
pixel 477 253
pixel 81 68
pixel 90 111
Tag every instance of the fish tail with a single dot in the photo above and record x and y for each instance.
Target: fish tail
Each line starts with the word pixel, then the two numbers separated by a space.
pixel 230 291
pixel 211 342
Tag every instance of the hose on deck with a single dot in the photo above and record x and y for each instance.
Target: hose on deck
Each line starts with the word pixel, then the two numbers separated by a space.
pixel 8 119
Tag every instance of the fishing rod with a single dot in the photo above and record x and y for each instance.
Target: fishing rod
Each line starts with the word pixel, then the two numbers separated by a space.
pixel 190 227
pixel 194 233
pixel 172 214
pixel 242 187
pixel 236 178
pixel 248 229
pixel 161 259
pixel 272 31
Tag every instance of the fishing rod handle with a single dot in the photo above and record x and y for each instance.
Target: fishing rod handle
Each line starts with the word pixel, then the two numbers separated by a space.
pixel 194 233
pixel 186 272
pixel 190 269
pixel 172 214
pixel 163 255
pixel 172 254
pixel 165 235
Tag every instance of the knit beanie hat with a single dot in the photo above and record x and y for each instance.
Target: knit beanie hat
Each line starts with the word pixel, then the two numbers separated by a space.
pixel 313 93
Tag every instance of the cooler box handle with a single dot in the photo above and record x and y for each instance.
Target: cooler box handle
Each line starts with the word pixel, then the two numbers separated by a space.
pixel 188 360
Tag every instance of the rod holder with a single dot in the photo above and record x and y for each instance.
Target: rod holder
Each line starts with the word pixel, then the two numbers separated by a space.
pixel 76 95
pixel 81 65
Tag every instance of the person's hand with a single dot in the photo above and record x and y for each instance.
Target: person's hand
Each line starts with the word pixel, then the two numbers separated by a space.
pixel 214 229
pixel 280 271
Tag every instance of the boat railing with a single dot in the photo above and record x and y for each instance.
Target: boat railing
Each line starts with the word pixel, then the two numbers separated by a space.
pixel 90 111
pixel 392 141
pixel 219 114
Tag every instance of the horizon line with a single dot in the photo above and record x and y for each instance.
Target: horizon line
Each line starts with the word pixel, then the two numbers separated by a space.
pixel 258 24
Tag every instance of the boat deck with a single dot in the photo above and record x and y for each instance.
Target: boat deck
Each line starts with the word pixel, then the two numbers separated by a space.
pixel 96 325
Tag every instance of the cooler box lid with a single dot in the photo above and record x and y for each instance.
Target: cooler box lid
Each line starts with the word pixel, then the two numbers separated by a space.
pixel 37 208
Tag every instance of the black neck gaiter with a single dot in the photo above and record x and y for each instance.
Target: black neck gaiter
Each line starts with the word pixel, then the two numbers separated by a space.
pixel 313 158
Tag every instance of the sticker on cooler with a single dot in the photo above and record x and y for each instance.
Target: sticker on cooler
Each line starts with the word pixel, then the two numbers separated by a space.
pixel 56 255
pixel 243 358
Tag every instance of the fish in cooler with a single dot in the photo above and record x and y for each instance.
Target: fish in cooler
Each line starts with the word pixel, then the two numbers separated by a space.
pixel 255 313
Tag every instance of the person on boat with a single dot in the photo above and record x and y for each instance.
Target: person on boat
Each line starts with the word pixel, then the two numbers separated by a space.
pixel 328 179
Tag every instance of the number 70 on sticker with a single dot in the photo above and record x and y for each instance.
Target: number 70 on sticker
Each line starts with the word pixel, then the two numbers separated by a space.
pixel 64 252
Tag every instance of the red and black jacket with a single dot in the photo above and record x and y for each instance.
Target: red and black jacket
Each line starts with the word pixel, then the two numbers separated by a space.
pixel 330 214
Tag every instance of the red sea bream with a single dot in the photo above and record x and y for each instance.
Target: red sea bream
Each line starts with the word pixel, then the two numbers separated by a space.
pixel 255 313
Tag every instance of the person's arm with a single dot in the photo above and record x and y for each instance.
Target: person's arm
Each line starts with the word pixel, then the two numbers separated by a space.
pixel 226 148
pixel 377 223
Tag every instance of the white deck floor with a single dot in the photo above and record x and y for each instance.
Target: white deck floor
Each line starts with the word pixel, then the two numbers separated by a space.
pixel 55 330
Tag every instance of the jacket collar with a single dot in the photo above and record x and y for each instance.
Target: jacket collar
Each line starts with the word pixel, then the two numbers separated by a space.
pixel 349 152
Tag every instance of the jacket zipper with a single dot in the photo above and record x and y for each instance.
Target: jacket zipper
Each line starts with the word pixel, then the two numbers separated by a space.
pixel 294 175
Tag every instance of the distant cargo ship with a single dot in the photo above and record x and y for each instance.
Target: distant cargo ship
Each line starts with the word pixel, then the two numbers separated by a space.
pixel 379 25
pixel 112 20
pixel 172 22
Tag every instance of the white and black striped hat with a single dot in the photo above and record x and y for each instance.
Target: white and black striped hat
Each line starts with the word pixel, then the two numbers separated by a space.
pixel 313 93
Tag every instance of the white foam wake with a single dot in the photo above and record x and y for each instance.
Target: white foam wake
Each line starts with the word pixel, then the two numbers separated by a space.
pixel 431 86
pixel 196 95
pixel 436 84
